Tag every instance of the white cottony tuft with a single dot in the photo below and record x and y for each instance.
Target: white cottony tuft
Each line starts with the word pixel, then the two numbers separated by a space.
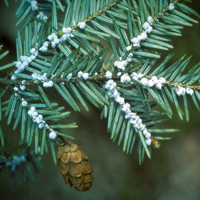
pixel 24 103
pixel 52 135
pixel 144 81
pixel 69 76
pixel 108 74
pixel 34 5
pixel 159 86
pixel 149 29
pixel 136 42
pixel 15 89
pixel 13 77
pixel 148 142
pixel 171 6
pixel 180 90
pixel 66 30
pixel 22 87
pixel 146 25
pixel 85 76
pixel 125 78
pixel 144 36
pixel 189 91
pixel 80 74
pixel 81 25
pixel 150 19
pixel 128 48
pixel 162 80
pixel 150 83
pixel 154 79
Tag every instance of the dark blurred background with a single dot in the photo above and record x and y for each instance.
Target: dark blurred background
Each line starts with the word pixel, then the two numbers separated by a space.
pixel 172 173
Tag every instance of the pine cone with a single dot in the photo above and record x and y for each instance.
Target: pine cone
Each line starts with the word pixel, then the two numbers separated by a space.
pixel 74 166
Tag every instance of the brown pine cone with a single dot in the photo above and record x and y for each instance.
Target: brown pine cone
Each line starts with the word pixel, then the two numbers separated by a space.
pixel 74 166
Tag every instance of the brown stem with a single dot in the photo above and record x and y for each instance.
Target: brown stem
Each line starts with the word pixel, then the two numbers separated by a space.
pixel 159 15
pixel 60 33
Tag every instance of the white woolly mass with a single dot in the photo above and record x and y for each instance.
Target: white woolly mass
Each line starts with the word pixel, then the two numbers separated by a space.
pixel 39 77
pixel 135 120
pixel 119 74
pixel 150 19
pixel 171 6
pixel 41 125
pixel 179 90
pixel 146 25
pixel 136 42
pixel 48 84
pixel 125 78
pixel 69 76
pixel 122 64
pixel 144 81
pixel 33 4
pixel 15 89
pixel 38 118
pixel 159 86
pixel 148 141
pixel 66 30
pixel 128 48
pixel 42 16
pixel 85 76
pixel 154 79
pixel 22 87
pixel 79 74
pixel 189 91
pixel 24 103
pixel 144 35
pixel 108 75
pixel 13 77
pixel 81 25
pixel 150 83
pixel 52 135
pixel 149 29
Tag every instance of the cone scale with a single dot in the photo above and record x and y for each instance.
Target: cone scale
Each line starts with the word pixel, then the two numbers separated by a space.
pixel 74 166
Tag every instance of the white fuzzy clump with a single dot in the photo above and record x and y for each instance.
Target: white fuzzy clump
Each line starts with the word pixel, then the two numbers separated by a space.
pixel 189 91
pixel 125 78
pixel 22 87
pixel 39 77
pixel 149 29
pixel 144 36
pixel 79 75
pixel 69 76
pixel 85 76
pixel 24 103
pixel 179 90
pixel 144 81
pixel 108 75
pixel 42 16
pixel 67 34
pixel 66 30
pixel 15 89
pixel 150 19
pixel 146 25
pixel 148 142
pixel 134 120
pixel 136 42
pixel 81 25
pixel 48 84
pixel 33 4
pixel 52 135
pixel 171 6
pixel 128 48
